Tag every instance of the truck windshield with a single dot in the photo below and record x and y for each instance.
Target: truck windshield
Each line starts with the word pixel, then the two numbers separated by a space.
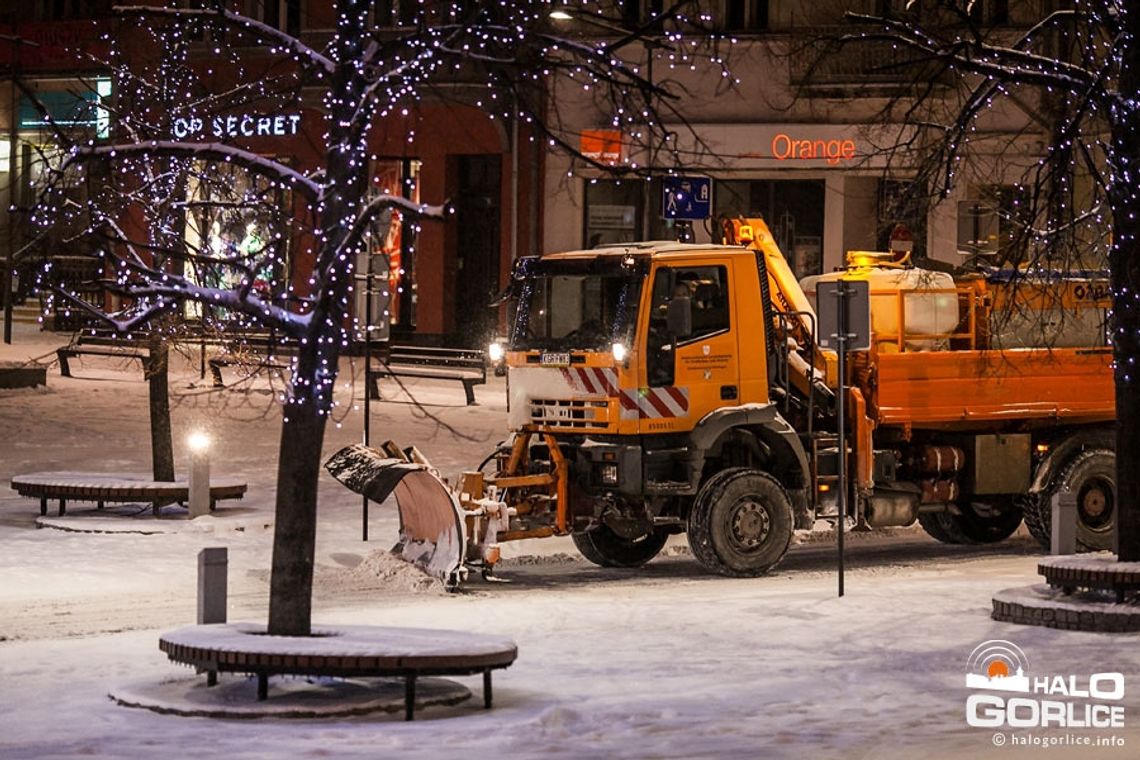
pixel 564 307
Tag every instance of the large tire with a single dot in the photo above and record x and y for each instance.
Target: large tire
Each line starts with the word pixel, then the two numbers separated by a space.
pixel 938 528
pixel 740 523
pixel 605 548
pixel 987 524
pixel 1091 477
pixel 1038 518
pixel 973 524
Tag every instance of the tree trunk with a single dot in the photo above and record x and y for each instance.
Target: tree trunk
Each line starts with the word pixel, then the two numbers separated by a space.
pixel 295 532
pixel 310 396
pixel 158 379
pixel 1124 261
pixel 1126 348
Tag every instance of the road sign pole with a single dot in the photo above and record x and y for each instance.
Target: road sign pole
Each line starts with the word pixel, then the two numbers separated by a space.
pixel 840 408
pixel 368 317
pixel 844 325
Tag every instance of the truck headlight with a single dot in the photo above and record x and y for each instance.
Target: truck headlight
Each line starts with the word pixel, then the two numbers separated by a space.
pixel 495 352
pixel 620 352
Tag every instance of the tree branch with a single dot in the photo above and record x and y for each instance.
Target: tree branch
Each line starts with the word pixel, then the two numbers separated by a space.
pixel 246 24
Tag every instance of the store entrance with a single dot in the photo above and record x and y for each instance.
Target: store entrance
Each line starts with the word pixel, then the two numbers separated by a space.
pixel 793 210
pixel 479 251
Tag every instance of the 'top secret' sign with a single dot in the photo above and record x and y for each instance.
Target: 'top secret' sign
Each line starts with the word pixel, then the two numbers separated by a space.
pixel 238 125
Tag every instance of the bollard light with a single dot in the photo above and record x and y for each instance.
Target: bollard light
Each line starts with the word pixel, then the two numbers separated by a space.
pixel 199 485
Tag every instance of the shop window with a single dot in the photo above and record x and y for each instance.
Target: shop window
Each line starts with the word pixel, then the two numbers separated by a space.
pixel 279 14
pixel 80 106
pixel 793 210
pixel 901 204
pixel 745 15
pixel 395 13
pixel 635 13
pixel 68 10
pixel 989 12
pixel 981 12
pixel 992 220
pixel 237 230
pixel 613 212
pixel 392 248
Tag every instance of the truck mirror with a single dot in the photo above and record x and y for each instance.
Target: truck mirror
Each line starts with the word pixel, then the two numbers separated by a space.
pixel 679 317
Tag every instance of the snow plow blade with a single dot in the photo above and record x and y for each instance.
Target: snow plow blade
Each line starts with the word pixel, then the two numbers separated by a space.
pixel 431 523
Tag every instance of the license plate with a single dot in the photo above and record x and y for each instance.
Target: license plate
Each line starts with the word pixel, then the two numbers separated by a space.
pixel 556 360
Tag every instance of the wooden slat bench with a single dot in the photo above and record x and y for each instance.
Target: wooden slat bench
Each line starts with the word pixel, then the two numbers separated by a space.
pixel 101 488
pixel 245 348
pixel 261 362
pixel 340 652
pixel 69 352
pixel 465 365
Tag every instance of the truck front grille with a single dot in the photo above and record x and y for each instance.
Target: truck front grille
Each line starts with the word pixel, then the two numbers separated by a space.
pixel 569 414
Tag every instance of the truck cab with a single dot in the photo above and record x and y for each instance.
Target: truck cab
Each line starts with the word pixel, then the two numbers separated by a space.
pixel 647 367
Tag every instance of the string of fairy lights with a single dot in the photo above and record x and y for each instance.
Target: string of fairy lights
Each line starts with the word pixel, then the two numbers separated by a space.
pixel 174 69
pixel 1066 66
pixel 171 66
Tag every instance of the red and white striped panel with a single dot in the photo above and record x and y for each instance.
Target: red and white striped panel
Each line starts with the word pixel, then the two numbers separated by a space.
pixel 636 403
pixel 593 381
pixel 654 403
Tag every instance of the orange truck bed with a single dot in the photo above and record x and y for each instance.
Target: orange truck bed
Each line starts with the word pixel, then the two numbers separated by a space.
pixel 948 389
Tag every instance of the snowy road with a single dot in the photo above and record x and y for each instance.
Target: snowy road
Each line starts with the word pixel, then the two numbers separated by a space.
pixel 661 662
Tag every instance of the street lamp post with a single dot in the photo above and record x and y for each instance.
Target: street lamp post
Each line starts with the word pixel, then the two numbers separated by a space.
pixel 198 489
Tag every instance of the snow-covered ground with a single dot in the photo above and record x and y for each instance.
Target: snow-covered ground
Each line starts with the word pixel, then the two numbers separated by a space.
pixel 665 661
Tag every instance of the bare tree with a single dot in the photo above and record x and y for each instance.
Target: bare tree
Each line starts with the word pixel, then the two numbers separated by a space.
pixel 1075 72
pixel 508 50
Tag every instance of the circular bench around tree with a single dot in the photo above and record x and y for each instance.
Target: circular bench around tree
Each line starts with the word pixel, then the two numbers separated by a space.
pixel 348 651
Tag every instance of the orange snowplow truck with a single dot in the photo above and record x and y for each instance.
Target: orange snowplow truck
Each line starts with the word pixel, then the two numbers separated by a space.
pixel 658 388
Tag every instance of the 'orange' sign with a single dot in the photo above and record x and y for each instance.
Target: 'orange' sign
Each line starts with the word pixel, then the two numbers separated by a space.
pixel 606 146
pixel 785 147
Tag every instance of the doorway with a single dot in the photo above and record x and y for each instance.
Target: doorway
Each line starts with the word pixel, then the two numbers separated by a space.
pixel 793 210
pixel 479 251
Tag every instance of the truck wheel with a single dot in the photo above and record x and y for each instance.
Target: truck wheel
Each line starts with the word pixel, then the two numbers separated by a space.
pixel 1091 477
pixel 988 525
pixel 740 523
pixel 1038 517
pixel 605 548
pixel 938 528
pixel 972 526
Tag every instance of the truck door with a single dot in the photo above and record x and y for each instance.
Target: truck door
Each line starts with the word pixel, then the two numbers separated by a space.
pixel 689 375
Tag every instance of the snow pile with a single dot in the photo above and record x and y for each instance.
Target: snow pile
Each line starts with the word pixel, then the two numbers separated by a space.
pixel 1097 563
pixel 382 569
pixel 1041 596
pixel 298 697
pixel 558 558
pixel 339 641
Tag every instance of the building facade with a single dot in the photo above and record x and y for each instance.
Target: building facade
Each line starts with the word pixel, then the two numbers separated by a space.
pixel 808 141
pixel 443 147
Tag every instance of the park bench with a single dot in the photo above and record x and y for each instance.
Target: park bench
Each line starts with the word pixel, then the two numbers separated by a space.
pixel 340 652
pixel 69 352
pixel 244 360
pixel 254 349
pixel 102 488
pixel 240 347
pixel 464 365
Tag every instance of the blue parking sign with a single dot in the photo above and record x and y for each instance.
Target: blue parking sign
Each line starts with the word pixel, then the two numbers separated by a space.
pixel 687 198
